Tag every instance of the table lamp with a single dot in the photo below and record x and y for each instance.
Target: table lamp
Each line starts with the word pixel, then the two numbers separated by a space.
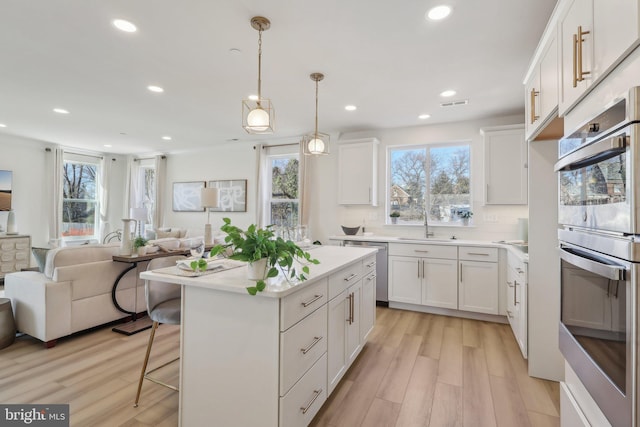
pixel 209 199
pixel 140 215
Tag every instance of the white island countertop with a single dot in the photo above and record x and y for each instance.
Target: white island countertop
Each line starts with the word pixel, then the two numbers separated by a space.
pixel 332 258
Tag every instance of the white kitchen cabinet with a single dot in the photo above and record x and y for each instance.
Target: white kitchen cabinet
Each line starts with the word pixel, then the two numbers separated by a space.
pixel 478 279
pixel 594 36
pixel 423 274
pixel 505 165
pixel 358 172
pixel 517 301
pixel 368 306
pixel 541 89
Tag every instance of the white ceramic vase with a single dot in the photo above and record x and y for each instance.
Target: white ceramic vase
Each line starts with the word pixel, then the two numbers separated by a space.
pixel 257 270
pixel 126 244
pixel 11 223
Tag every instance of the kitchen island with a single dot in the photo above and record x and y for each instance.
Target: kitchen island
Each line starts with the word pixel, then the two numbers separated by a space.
pixel 271 359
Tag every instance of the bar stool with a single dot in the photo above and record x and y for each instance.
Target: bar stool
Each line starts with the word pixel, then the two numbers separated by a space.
pixel 163 306
pixel 7 324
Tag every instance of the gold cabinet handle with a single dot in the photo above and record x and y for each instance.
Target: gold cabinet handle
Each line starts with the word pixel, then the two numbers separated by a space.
pixel 478 253
pixel 316 340
pixel 371 265
pixel 349 315
pixel 575 60
pixel 311 301
pixel 353 306
pixel 534 117
pixel 370 278
pixel 316 393
pixel 350 278
pixel 580 74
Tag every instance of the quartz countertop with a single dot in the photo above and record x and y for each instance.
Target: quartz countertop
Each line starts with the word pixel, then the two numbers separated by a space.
pixel 512 246
pixel 332 259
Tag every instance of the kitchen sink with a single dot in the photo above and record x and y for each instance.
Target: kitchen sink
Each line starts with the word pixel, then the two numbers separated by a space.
pixel 426 239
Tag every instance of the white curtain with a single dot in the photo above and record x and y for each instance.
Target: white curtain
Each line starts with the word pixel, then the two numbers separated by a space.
pixel 105 174
pixel 134 196
pixel 160 190
pixel 55 202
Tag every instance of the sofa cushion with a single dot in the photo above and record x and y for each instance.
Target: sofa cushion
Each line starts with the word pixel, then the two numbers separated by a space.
pixel 71 255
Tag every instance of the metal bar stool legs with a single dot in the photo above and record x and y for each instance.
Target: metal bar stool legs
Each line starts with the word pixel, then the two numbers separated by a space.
pixel 144 375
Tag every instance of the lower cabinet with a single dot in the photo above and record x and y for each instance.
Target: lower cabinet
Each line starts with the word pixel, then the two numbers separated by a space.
pixel 368 306
pixel 478 280
pixel 517 301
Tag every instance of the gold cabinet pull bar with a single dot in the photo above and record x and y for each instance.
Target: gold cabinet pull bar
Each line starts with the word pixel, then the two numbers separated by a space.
pixel 316 393
pixel 311 301
pixel 580 74
pixel 534 117
pixel 316 340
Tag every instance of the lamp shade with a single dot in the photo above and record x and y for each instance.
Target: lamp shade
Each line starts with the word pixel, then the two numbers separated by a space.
pixel 139 214
pixel 209 197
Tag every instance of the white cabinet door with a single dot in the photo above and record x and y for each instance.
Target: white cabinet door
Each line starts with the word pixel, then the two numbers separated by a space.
pixel 513 314
pixel 577 16
pixel 505 166
pixel 368 306
pixel 615 30
pixel 478 287
pixel 336 347
pixel 354 344
pixel 357 173
pixel 548 97
pixel 440 283
pixel 405 284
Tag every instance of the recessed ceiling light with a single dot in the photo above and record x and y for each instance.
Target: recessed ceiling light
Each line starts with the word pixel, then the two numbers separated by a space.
pixel 253 97
pixel 2 125
pixel 126 26
pixel 166 138
pixel 235 51
pixel 439 12
pixel 60 111
pixel 350 108
pixel 108 145
pixel 424 116
pixel 156 89
pixel 448 93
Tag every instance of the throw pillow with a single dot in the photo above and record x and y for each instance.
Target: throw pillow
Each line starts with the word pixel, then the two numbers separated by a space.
pixel 165 234
pixel 40 254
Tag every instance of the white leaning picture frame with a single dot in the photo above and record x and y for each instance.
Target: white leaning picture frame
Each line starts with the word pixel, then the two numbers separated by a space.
pixel 232 195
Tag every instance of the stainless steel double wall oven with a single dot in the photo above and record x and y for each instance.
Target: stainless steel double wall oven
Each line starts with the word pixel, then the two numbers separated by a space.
pixel 599 233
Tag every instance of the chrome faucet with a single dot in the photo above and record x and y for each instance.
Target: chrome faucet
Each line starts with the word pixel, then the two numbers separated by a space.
pixel 427 234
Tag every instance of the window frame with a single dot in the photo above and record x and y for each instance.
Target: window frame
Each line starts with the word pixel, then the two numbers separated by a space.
pixel 269 200
pixel 79 159
pixel 427 191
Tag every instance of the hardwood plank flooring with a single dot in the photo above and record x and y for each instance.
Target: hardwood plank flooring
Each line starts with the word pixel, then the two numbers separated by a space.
pixel 417 370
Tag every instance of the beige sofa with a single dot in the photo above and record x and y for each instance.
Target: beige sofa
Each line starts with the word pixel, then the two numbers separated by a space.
pixel 73 293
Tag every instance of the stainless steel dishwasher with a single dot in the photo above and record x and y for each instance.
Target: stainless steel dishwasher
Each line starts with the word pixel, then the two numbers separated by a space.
pixel 382 290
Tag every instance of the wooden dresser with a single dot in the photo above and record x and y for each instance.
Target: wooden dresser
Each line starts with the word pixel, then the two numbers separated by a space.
pixel 14 253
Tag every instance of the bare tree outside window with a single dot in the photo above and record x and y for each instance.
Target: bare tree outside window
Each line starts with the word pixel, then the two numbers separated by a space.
pixel 446 194
pixel 80 196
pixel 284 191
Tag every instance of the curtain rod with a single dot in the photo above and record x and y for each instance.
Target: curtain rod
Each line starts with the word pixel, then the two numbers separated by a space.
pixel 278 145
pixel 76 154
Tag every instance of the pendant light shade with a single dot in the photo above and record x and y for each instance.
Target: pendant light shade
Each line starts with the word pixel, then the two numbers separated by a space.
pixel 316 143
pixel 258 115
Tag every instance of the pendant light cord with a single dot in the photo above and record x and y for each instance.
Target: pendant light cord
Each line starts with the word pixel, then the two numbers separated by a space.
pixel 259 66
pixel 316 135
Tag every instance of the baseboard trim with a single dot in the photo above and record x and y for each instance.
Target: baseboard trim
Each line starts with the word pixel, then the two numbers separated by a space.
pixel 448 312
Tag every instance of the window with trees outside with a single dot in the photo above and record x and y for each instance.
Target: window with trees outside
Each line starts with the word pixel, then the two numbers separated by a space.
pixel 283 189
pixel 80 209
pixel 431 179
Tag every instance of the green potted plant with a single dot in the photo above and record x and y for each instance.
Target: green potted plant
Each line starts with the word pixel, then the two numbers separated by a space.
pixel 139 244
pixel 265 254
pixel 466 216
pixel 394 217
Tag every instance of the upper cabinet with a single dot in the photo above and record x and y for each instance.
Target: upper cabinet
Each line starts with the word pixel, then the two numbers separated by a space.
pixel 505 165
pixel 541 91
pixel 593 37
pixel 358 172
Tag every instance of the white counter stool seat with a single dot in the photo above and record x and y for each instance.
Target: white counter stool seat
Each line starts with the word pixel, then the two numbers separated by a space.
pixel 163 306
pixel 7 324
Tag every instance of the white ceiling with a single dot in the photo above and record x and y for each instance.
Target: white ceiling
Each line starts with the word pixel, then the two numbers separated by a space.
pixel 380 55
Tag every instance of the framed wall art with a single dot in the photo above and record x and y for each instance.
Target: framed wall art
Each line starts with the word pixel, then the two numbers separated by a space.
pixel 232 195
pixel 186 196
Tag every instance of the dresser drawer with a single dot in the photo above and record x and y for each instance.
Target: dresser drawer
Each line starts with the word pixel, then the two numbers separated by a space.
pixel 302 303
pixel 478 253
pixel 368 265
pixel 301 346
pixel 301 404
pixel 424 251
pixel 344 278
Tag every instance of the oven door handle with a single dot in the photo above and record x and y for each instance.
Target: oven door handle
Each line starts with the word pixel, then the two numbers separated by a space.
pixel 593 153
pixel 612 272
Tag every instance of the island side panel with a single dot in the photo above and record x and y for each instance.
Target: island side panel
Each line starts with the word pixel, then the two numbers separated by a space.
pixel 229 359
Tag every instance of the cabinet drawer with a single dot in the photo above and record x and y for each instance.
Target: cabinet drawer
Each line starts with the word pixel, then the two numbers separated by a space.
pixel 344 278
pixel 425 251
pixel 369 265
pixel 301 404
pixel 301 346
pixel 302 303
pixel 477 253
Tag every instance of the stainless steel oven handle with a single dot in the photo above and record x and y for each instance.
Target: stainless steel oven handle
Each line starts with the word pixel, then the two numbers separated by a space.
pixel 593 153
pixel 608 271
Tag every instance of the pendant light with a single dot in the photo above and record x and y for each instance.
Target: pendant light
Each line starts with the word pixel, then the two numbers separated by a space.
pixel 258 114
pixel 316 143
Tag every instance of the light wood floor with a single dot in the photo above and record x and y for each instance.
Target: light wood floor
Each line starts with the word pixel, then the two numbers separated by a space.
pixel 417 370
